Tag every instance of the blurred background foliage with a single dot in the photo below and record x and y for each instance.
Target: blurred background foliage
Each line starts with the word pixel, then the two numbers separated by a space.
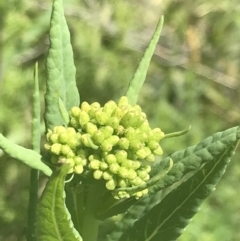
pixel 193 80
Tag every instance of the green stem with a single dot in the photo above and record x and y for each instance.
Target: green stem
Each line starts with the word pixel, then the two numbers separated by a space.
pixel 90 224
pixel 34 175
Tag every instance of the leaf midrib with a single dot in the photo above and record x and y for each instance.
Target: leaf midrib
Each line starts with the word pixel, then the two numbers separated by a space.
pixel 190 194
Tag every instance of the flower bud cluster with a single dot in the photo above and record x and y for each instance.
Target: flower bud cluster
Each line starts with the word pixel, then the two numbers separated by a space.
pixel 114 142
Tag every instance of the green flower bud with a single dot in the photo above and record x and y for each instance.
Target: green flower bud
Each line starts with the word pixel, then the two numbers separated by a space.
pixel 121 195
pixel 74 123
pixel 137 195
pixel 123 101
pixel 49 133
pixel 94 164
pixel 74 112
pixel 127 163
pixel 136 165
pixel 143 153
pixel 128 118
pixel 137 181
pixel 123 172
pixel 107 175
pixel 94 107
pixel 137 108
pixel 101 117
pixel 103 166
pixel 53 138
pixel 157 134
pixel 145 126
pixel 63 137
pixel 121 156
pixel 88 142
pixel 143 175
pixel 113 140
pixel 56 148
pixel 85 106
pixel 59 129
pixel 109 107
pixel 131 174
pixel 83 118
pixel 91 128
pixel 146 168
pixel 120 111
pixel 113 122
pixel 78 169
pixel 114 167
pixel 65 150
pixel 137 120
pixel 120 130
pixel 110 159
pixel 75 142
pixel 150 158
pixel 158 151
pixel 136 145
pixel 153 145
pixel 69 161
pixel 98 137
pixel 130 133
pixel 107 131
pixel 111 184
pixel 122 182
pixel 97 174
pixel 106 146
pixel 123 143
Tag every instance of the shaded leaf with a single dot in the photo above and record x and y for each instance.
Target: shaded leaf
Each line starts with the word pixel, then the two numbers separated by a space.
pixel 53 219
pixel 166 221
pixel 138 79
pixel 60 69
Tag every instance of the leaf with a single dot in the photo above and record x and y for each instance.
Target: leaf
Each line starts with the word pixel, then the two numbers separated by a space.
pixel 53 219
pixel 27 156
pixel 60 69
pixel 193 157
pixel 135 212
pixel 138 79
pixel 166 221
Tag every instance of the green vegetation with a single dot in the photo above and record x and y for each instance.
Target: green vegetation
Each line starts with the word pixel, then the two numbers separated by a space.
pixel 192 80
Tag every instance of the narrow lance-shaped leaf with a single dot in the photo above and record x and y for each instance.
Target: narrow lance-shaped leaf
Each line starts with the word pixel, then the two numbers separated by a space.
pixel 34 174
pixel 61 70
pixel 27 156
pixel 193 157
pixel 138 79
pixel 166 221
pixel 53 219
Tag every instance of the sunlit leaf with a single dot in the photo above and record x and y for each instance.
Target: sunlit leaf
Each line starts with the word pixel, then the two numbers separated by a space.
pixel 166 221
pixel 60 69
pixel 53 219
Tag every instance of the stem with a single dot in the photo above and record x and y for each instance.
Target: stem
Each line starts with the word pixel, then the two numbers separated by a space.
pixel 90 224
pixel 34 175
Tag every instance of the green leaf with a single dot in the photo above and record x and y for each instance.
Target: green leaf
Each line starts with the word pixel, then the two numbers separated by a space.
pixel 166 221
pixel 193 157
pixel 138 79
pixel 135 212
pixel 53 219
pixel 60 69
pixel 27 156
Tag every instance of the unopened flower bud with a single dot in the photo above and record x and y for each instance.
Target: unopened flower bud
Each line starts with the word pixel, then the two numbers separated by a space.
pixel 121 156
pixel 85 106
pixel 54 138
pixel 113 168
pixel 106 146
pixel 158 151
pixel 111 184
pixel 122 182
pixel 97 174
pixel 91 128
pixel 157 134
pixel 107 175
pixel 65 149
pixel 113 122
pixel 136 164
pixel 83 118
pixel 103 166
pixel 107 131
pixel 123 143
pixel 74 112
pixel 150 158
pixel 136 144
pixel 110 159
pixel 101 117
pixel 56 148
pixel 98 137
pixel 78 169
pixel 131 174
pixel 123 101
pixel 63 137
pixel 137 181
pixel 109 107
pixel 123 172
pixel 94 164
